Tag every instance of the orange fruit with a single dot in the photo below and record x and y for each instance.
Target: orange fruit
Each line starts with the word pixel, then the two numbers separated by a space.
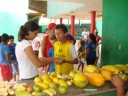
pixel 62 90
pixel 56 80
pixel 72 74
pixel 37 88
pixel 80 80
pixel 52 85
pixel 45 76
pixel 37 79
pixel 44 86
pixel 29 88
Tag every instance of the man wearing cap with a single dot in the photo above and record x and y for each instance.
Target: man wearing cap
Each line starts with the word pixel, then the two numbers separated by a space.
pixel 45 43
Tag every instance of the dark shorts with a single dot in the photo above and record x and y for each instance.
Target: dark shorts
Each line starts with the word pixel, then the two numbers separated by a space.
pixel 6 72
pixel 90 61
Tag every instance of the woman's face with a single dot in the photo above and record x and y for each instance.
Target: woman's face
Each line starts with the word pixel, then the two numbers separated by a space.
pixel 33 34
pixel 60 35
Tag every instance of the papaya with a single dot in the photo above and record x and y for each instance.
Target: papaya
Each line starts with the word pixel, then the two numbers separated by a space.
pixel 112 68
pixel 91 68
pixel 95 79
pixel 106 74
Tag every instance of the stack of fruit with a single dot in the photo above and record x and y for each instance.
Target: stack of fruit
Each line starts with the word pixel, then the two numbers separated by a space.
pixel 49 83
pixel 16 89
pixel 97 76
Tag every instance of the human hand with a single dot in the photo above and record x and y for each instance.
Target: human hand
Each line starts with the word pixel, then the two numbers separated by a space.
pixel 58 60
pixel 118 82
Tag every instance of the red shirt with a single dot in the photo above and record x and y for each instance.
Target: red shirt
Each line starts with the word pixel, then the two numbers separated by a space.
pixel 98 38
pixel 48 45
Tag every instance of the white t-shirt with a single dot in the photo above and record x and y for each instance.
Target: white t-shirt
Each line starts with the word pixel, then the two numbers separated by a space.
pixel 73 52
pixel 35 43
pixel 85 34
pixel 26 68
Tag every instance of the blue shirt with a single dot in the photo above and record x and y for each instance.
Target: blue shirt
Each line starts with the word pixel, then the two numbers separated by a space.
pixel 92 52
pixel 12 49
pixel 51 54
pixel 4 50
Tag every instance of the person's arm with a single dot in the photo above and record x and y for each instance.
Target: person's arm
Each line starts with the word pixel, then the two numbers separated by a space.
pixel 39 62
pixel 119 84
pixel 74 61
pixel 8 58
pixel 87 51
pixel 73 55
pixel 42 47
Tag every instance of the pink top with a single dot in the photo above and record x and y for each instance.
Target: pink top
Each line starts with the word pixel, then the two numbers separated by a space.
pixel 35 43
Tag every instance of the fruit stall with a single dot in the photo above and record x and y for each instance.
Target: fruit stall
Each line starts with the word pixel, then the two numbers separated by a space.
pixel 89 90
pixel 94 81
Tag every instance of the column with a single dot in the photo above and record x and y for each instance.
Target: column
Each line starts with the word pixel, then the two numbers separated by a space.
pixel 93 22
pixel 61 20
pixel 72 25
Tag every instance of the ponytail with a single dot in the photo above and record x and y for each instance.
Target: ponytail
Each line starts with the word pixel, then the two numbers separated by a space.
pixel 24 29
pixel 22 33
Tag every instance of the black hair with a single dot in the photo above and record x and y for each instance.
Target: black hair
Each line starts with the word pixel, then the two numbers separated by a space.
pixel 24 29
pixel 4 37
pixel 62 26
pixel 0 39
pixel 11 37
pixel 93 38
pixel 82 42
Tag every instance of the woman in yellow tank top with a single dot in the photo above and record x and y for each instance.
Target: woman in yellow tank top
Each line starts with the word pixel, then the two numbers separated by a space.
pixel 65 50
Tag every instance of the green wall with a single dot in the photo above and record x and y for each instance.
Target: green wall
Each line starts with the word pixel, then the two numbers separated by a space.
pixel 115 40
pixel 12 16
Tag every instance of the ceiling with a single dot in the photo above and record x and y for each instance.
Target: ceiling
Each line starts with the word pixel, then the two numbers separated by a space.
pixel 81 13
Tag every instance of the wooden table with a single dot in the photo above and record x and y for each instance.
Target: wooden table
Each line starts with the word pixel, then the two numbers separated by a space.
pixel 75 91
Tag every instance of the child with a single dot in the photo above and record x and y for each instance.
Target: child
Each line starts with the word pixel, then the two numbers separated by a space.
pixel 81 54
pixel 14 64
pixel 52 40
pixel 65 50
pixel 91 50
pixel 5 58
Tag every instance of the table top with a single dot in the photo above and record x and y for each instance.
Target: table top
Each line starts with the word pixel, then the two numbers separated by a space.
pixel 75 91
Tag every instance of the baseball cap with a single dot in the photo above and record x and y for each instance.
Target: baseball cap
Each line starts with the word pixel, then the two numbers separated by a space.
pixel 51 25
